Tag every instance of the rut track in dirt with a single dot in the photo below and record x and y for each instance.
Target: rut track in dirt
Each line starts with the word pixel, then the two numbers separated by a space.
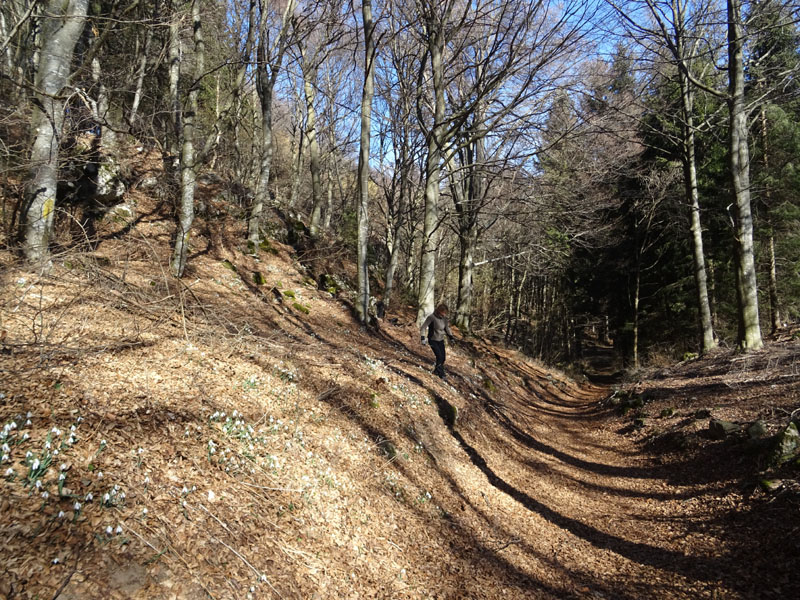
pixel 589 504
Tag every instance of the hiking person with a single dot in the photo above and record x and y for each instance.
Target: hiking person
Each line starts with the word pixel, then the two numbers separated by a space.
pixel 432 332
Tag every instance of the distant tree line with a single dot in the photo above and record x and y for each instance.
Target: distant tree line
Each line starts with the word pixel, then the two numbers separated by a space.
pixel 549 169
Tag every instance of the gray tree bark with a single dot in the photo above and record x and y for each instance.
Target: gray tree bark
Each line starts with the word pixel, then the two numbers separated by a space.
pixel 270 59
pixel 61 29
pixel 749 333
pixel 309 79
pixel 188 167
pixel 433 167
pixel 362 302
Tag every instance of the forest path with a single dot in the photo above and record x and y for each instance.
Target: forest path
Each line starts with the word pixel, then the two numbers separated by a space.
pixel 584 503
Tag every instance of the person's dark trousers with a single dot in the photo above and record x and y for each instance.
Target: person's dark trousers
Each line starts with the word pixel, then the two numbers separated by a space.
pixel 438 351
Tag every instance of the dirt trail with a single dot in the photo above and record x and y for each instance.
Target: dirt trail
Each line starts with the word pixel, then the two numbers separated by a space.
pixel 584 504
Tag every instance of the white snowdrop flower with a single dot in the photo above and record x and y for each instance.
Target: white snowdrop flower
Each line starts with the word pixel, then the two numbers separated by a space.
pixel 4 458
pixel 71 439
pixel 99 474
pixel 38 484
pixel 45 494
pixel 9 472
pixel 184 491
pixel 252 589
pixel 144 511
pixel 118 530
pixel 263 578
pixel 62 476
pixel 106 497
pixel 55 561
pixel 28 423
pixel 55 452
pixel 146 480
pixel 47 445
pixel 79 419
pixel 102 442
pixel 25 436
pixel 109 530
pixel 63 467
pixel 55 431
pixel 72 428
pixel 6 448
pixel 89 497
pixel 21 281
pixel 35 464
pixel 194 488
pixel 12 425
pixel 140 450
pixel 116 487
pixel 61 514
pixel 77 506
pixel 122 496
pixel 29 415
pixel 183 503
pixel 28 454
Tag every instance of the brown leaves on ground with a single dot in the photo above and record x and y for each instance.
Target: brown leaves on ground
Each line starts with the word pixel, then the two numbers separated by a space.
pixel 199 438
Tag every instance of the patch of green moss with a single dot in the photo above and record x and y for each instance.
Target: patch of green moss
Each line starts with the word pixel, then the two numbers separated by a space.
pixel 288 293
pixel 259 279
pixel 229 265
pixel 301 308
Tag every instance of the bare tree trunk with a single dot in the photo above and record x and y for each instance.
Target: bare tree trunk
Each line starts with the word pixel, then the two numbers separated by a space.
pixel 174 53
pixel 749 335
pixel 188 166
pixel 690 182
pixel 362 302
pixel 142 67
pixel 61 29
pixel 309 78
pixel 270 59
pixel 427 275
pixel 774 303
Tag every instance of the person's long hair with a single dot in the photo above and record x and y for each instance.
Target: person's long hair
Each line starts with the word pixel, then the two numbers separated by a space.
pixel 442 310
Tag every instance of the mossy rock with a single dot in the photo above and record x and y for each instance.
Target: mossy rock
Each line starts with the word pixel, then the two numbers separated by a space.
pixel 259 279
pixel 757 430
pixel 787 446
pixel 667 412
pixel 301 308
pixel 288 293
pixel 719 429
pixel 266 246
pixel 388 448
pixel 229 265
pixel 702 413
pixel 488 385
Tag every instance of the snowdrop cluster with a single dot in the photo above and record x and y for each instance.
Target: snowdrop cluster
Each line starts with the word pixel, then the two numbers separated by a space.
pixel 114 497
pixel 285 373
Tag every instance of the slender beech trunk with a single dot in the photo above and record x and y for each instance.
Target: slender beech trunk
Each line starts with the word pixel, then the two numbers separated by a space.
pixel 142 66
pixel 692 195
pixel 774 304
pixel 309 78
pixel 270 59
pixel 174 54
pixel 362 302
pixel 636 293
pixel 61 29
pixel 427 275
pixel 188 168
pixel 749 334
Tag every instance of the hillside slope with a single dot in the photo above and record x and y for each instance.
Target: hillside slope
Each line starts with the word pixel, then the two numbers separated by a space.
pixel 232 436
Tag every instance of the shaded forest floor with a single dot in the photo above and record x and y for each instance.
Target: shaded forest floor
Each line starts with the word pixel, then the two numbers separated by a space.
pixel 237 435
